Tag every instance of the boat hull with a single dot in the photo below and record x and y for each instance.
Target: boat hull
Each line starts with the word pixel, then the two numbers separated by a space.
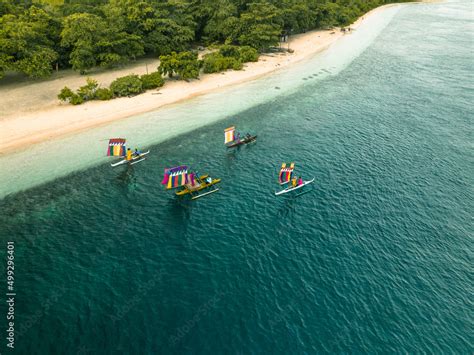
pixel 242 142
pixel 202 186
pixel 291 189
pixel 131 162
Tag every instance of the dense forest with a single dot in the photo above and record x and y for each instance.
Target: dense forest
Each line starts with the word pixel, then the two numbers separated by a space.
pixel 37 37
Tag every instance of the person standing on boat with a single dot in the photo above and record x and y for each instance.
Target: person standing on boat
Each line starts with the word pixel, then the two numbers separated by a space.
pixel 293 182
pixel 197 177
pixel 129 155
pixel 300 181
pixel 237 137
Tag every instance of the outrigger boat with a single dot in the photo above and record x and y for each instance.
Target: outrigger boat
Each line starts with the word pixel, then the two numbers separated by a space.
pixel 192 184
pixel 117 148
pixel 286 176
pixel 232 140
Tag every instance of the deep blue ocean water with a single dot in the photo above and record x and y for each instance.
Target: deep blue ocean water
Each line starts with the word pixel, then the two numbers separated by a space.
pixel 377 258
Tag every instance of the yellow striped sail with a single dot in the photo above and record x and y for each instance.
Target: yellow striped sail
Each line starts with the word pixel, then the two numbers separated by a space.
pixel 229 134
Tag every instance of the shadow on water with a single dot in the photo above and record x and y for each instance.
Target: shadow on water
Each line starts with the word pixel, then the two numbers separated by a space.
pixel 230 158
pixel 179 209
pixel 232 155
pixel 291 203
pixel 127 180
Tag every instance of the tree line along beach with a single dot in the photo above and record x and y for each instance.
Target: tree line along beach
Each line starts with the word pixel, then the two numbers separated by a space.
pixel 31 113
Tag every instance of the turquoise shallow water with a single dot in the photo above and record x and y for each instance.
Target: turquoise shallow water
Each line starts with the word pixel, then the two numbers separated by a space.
pixel 377 258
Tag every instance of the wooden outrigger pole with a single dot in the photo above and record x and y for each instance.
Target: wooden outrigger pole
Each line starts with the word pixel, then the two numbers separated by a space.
pixel 215 189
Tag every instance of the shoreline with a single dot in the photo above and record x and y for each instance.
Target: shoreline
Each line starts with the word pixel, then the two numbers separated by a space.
pixel 23 129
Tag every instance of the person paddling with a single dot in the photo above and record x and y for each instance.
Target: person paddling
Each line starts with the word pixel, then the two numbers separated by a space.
pixel 137 153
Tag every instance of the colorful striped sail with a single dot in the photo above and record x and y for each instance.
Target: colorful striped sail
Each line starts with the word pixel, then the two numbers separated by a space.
pixel 191 179
pixel 175 177
pixel 116 147
pixel 286 173
pixel 229 134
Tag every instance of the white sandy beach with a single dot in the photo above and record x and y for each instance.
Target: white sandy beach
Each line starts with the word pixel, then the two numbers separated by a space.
pixel 40 116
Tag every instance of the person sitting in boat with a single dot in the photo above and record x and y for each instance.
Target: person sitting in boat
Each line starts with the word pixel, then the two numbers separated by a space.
pixel 300 181
pixel 128 157
pixel 137 153
pixel 293 182
pixel 208 179
pixel 237 137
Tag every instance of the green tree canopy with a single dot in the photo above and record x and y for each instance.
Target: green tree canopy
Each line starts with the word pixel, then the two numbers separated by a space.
pixel 92 41
pixel 27 42
pixel 81 33
pixel 129 85
pixel 261 25
pixel 38 35
pixel 217 20
pixel 184 64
